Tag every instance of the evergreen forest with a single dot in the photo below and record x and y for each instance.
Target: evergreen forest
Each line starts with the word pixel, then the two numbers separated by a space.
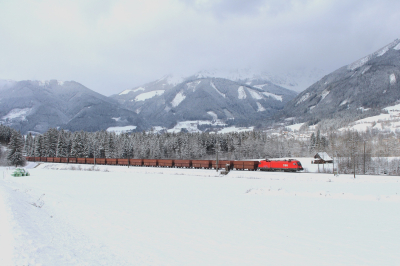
pixel 366 152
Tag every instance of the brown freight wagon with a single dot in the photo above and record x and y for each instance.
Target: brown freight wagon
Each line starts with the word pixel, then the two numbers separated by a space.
pixel 81 160
pixel 111 161
pixel 36 159
pixel 64 160
pixel 183 163
pixel 57 159
pixel 166 163
pixel 245 165
pixel 222 164
pixel 251 165
pixel 43 159
pixel 150 162
pixel 50 159
pixel 137 162
pixel 238 165
pixel 90 160
pixel 72 160
pixel 123 161
pixel 201 164
pixel 100 161
pixel 29 159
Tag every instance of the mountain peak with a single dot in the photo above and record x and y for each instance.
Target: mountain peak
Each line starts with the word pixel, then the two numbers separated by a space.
pixel 360 62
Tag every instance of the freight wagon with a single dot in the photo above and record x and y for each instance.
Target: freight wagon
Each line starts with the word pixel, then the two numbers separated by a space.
pixel 150 162
pixel 136 162
pixel 222 164
pixel 199 164
pixel 290 165
pixel 166 163
pixel 245 165
pixel 183 163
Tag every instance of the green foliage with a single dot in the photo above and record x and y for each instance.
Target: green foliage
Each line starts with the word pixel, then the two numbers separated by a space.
pixel 20 172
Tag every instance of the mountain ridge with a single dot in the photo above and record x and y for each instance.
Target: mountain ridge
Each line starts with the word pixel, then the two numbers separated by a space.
pixel 247 99
pixel 366 84
pixel 165 104
pixel 37 106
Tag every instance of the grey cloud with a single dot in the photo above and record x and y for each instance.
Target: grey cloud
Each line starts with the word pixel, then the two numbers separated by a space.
pixel 224 8
pixel 109 51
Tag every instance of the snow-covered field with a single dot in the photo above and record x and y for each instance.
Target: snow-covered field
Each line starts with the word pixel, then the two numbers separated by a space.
pixel 389 122
pixel 119 130
pixel 117 215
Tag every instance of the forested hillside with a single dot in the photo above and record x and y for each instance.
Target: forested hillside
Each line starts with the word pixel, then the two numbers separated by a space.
pixel 361 88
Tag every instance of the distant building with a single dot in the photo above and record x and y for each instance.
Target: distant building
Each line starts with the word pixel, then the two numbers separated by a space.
pixel 322 158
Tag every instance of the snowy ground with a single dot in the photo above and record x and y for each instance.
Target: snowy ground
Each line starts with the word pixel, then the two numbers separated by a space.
pixel 158 216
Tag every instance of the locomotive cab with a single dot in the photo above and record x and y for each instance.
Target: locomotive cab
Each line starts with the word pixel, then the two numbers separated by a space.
pixel 298 164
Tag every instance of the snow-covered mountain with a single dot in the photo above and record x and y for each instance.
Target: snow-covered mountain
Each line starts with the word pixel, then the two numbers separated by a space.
pixel 147 91
pixel 297 79
pixel 214 98
pixel 38 105
pixel 165 103
pixel 369 83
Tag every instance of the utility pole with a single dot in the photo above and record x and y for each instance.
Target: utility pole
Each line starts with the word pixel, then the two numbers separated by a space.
pixel 337 164
pixel 364 157
pixel 216 165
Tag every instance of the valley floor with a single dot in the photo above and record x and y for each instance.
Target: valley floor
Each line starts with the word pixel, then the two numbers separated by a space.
pixel 157 216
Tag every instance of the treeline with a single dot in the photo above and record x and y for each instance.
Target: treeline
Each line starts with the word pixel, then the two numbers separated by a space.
pixel 246 145
pixel 369 152
pixel 237 145
pixel 103 144
pixel 363 152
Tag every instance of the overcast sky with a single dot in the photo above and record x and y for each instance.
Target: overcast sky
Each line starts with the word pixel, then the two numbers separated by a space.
pixel 112 45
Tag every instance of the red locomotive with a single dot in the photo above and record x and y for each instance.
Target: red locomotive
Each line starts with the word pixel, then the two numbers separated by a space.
pixel 290 165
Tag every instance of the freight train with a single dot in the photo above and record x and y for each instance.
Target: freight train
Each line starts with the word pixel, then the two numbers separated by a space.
pixel 290 165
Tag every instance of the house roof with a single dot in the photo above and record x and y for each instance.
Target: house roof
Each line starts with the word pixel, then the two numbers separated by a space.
pixel 324 156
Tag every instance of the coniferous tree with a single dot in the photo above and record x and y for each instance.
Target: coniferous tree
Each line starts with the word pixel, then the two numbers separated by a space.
pixel 111 146
pixel 51 139
pixel 318 140
pixel 5 133
pixel 16 152
pixel 40 149
pixel 313 143
pixel 86 149
pixel 77 147
pixel 69 145
pixel 29 145
pixel 97 145
pixel 62 146
pixel 36 150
